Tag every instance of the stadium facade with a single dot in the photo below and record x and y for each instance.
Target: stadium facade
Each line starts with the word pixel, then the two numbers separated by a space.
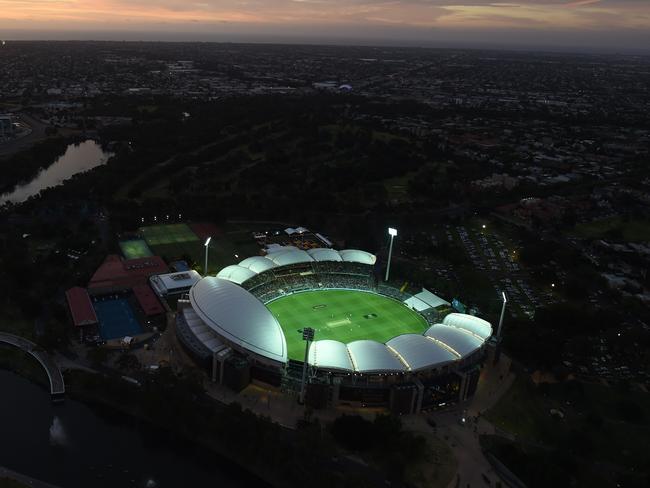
pixel 225 324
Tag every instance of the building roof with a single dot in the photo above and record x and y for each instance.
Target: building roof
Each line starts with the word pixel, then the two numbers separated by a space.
pixel 432 300
pixel 374 357
pixel 147 300
pixel 235 273
pixel 81 308
pixel 258 264
pixel 116 272
pixel 460 340
pixel 170 281
pixel 238 317
pixel 420 352
pixel 330 354
pixel 479 327
pixel 287 255
pixel 357 256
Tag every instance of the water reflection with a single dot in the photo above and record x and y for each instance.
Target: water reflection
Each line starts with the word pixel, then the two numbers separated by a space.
pixel 78 158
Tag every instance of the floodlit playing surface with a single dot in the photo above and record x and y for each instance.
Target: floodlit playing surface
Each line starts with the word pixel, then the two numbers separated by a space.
pixel 168 234
pixel 135 248
pixel 342 315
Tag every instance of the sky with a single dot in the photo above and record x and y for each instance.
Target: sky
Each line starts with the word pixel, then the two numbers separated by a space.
pixel 607 25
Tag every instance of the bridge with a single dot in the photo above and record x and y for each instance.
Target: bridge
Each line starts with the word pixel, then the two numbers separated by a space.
pixel 57 386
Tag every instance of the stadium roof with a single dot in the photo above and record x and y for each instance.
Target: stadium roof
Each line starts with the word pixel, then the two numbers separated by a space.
pixel 330 354
pixel 420 352
pixel 239 317
pixel 374 357
pixel 81 308
pixel 460 340
pixel 235 273
pixel 433 300
pixel 258 264
pixel 479 327
pixel 286 255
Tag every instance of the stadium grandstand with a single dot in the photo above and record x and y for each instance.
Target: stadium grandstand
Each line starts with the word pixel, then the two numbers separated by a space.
pixel 374 345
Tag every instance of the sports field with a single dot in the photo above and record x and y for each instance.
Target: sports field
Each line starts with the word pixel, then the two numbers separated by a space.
pixel 135 248
pixel 168 234
pixel 342 315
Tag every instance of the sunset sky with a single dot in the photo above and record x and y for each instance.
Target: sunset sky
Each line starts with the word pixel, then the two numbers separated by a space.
pixel 588 23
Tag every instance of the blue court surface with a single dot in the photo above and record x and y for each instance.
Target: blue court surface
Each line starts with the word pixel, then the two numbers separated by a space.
pixel 116 318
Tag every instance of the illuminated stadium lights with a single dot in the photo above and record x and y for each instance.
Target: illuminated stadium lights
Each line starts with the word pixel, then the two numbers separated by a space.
pixel 206 245
pixel 392 233
pixel 367 334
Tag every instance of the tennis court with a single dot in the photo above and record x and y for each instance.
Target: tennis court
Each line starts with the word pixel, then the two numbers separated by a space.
pixel 116 318
pixel 342 315
pixel 135 248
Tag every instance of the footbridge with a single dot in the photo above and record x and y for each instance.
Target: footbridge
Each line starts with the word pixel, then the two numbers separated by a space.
pixel 57 386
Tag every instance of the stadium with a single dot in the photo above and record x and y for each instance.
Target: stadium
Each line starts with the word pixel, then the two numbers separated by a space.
pixel 373 345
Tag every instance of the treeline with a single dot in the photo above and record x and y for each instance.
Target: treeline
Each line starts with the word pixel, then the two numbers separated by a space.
pixel 281 456
pixel 25 165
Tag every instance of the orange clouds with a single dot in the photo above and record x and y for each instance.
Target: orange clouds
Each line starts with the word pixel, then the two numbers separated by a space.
pixel 438 14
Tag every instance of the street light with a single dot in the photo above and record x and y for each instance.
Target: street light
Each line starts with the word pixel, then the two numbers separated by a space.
pixel 503 311
pixel 392 233
pixel 205 268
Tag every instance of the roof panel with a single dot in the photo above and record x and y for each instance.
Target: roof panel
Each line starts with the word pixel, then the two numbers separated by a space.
pixel 357 256
pixel 460 340
pixel 373 357
pixel 239 317
pixel 324 254
pixel 235 273
pixel 290 257
pixel 257 264
pixel 475 325
pixel 420 352
pixel 330 354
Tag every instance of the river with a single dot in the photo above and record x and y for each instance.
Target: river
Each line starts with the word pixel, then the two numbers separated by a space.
pixel 78 157
pixel 72 446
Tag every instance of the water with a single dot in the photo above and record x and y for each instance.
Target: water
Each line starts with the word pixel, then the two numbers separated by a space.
pixel 72 446
pixel 77 158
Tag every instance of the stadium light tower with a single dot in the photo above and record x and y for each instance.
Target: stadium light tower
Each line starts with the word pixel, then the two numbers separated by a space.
pixel 392 233
pixel 307 336
pixel 207 244
pixel 503 311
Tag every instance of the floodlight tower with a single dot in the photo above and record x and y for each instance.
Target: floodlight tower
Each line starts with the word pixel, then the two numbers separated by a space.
pixel 497 339
pixel 503 312
pixel 392 233
pixel 307 336
pixel 206 245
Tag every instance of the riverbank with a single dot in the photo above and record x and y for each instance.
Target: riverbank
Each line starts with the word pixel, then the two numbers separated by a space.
pixel 127 399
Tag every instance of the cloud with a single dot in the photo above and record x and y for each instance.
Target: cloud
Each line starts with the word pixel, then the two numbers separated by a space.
pixel 355 17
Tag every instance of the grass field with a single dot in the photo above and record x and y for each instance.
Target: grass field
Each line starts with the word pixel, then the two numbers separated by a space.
pixel 168 234
pixel 174 241
pixel 342 315
pixel 135 248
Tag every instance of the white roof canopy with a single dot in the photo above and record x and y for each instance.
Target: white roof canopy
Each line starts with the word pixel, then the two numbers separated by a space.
pixel 239 317
pixel 420 352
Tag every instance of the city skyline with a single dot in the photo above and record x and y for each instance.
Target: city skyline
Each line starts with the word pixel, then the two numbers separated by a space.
pixel 587 24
